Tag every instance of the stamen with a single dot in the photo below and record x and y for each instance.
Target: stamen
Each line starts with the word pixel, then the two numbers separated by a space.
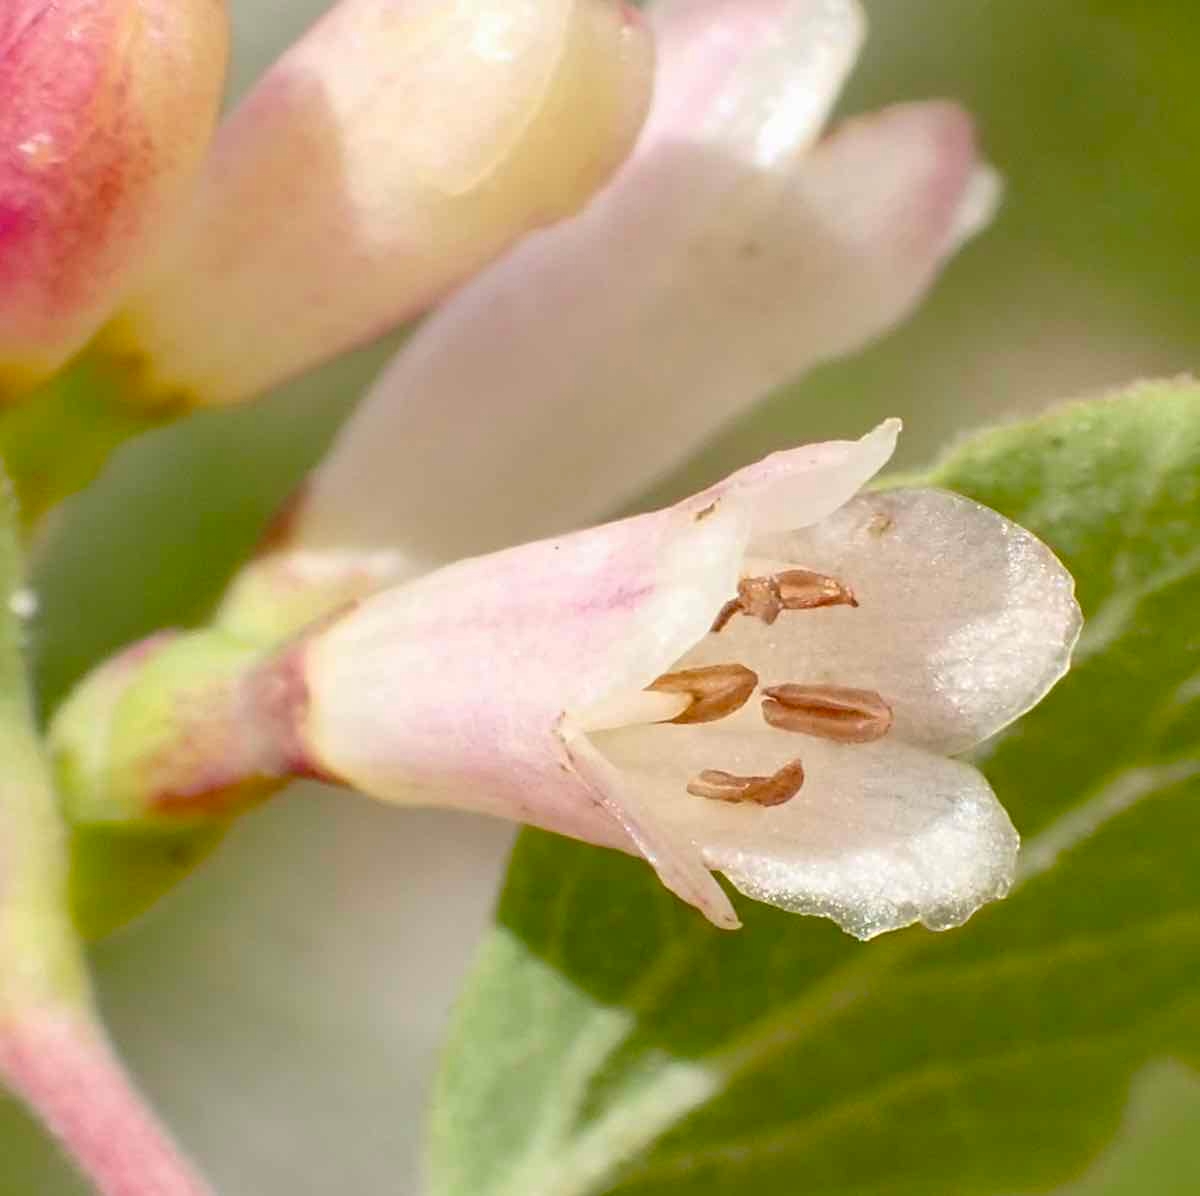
pixel 761 791
pixel 629 709
pixel 793 589
pixel 715 691
pixel 828 711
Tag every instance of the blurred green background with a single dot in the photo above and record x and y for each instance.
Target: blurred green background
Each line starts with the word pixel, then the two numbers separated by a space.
pixel 283 1008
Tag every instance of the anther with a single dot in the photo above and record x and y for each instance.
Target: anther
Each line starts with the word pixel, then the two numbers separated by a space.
pixel 774 790
pixel 828 711
pixel 715 691
pixel 766 598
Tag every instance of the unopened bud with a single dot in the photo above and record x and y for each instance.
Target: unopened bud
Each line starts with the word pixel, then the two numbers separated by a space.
pixel 108 106
pixel 410 144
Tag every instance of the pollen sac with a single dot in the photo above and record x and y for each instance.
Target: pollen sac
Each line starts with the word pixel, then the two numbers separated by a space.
pixel 774 790
pixel 766 598
pixel 715 691
pixel 828 712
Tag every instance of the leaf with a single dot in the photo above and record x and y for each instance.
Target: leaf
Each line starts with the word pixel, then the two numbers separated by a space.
pixel 611 1042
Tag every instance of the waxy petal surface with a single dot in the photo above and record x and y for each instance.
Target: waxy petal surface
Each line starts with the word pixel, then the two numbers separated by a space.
pixel 964 620
pixel 879 836
pixel 391 152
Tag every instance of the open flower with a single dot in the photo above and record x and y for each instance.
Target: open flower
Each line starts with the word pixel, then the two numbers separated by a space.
pixel 763 680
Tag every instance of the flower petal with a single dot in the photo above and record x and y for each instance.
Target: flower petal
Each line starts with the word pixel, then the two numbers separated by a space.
pixel 460 681
pixel 880 835
pixel 601 352
pixel 288 587
pixel 108 108
pixel 802 486
pixel 677 859
pixel 964 620
pixel 406 144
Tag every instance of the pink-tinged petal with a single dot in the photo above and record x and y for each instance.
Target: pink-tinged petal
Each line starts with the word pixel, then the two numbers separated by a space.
pixel 964 620
pixel 459 681
pixel 728 256
pixel 108 108
pixel 392 151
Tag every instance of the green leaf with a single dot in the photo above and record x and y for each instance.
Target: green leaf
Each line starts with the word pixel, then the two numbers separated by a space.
pixel 611 1042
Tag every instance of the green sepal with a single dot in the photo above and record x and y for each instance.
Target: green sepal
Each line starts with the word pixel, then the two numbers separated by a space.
pixel 135 744
pixel 57 438
pixel 122 751
pixel 116 874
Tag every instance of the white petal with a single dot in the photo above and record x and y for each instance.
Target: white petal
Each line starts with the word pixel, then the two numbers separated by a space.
pixel 802 486
pixel 964 621
pixel 603 351
pixel 880 835
pixel 677 860
pixel 754 78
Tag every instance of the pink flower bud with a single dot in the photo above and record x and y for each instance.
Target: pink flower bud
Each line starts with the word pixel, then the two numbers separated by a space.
pixel 107 108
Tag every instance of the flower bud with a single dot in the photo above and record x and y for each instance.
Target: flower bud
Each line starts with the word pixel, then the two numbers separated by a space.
pixel 118 752
pixel 732 252
pixel 390 153
pixel 108 106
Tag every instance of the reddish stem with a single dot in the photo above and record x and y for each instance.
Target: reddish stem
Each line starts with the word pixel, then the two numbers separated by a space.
pixel 64 1069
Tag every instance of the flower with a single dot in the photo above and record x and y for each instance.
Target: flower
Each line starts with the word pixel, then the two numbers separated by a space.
pixel 763 680
pixel 599 685
pixel 732 252
pixel 408 143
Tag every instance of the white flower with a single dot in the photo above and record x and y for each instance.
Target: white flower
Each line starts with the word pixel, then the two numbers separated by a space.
pixel 878 633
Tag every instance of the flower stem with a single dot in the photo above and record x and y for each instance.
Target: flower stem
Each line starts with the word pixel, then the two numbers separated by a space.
pixel 61 1065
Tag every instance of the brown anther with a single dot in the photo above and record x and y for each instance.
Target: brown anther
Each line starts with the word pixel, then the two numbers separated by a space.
pixel 828 711
pixel 801 589
pixel 774 790
pixel 766 598
pixel 716 691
